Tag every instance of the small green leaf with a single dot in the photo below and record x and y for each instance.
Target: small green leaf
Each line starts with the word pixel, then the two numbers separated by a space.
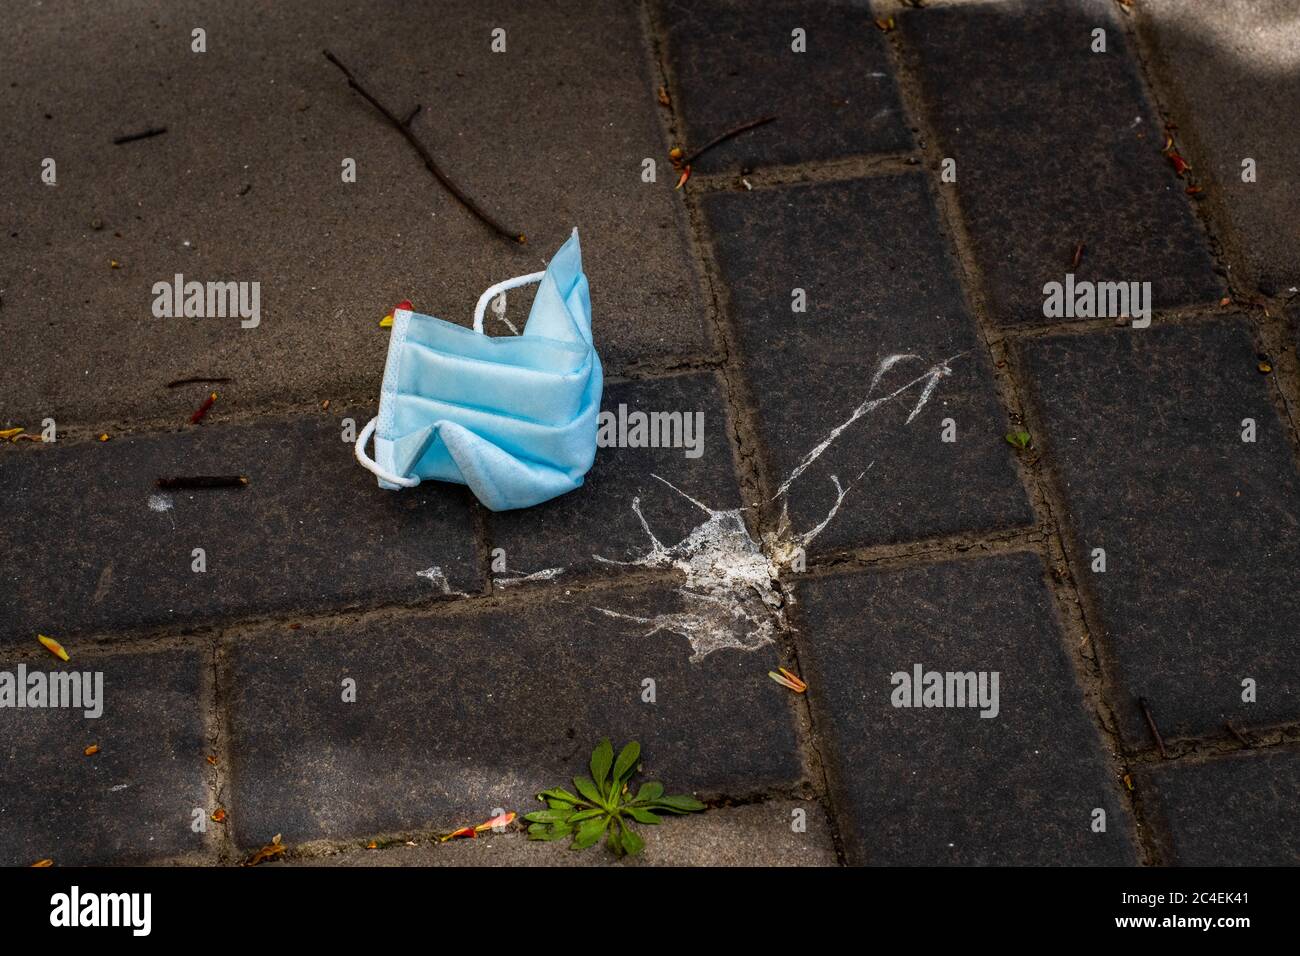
pixel 558 794
pixel 615 841
pixel 589 833
pixel 601 758
pixel 626 763
pixel 1019 440
pixel 632 842
pixel 640 814
pixel 678 804
pixel 588 814
pixel 652 790
pixel 548 816
pixel 588 789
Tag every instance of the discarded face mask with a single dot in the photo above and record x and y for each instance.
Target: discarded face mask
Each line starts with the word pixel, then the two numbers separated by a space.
pixel 512 417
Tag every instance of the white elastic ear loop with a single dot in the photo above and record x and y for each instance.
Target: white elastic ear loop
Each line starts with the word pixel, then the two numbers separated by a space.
pixel 368 463
pixel 495 290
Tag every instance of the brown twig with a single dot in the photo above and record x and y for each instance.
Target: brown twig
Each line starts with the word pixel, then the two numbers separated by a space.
pixel 143 134
pixel 1151 722
pixel 743 127
pixel 1078 256
pixel 194 381
pixel 429 162
pixel 202 481
pixel 1245 742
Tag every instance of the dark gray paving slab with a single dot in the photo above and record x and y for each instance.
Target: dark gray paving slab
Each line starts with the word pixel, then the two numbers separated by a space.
pixel 1055 146
pixel 759 834
pixel 458 714
pixel 132 801
pixel 1230 73
pixel 570 531
pixel 945 786
pixel 732 62
pixel 1231 811
pixel 1201 530
pixel 879 282
pixel 90 543
pixel 548 135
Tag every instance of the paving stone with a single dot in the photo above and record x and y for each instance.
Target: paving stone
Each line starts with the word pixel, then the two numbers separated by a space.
pixel 1143 429
pixel 1237 810
pixel 945 786
pixel 751 835
pixel 131 802
pixel 732 62
pixel 873 290
pixel 547 136
pixel 458 714
pixel 569 531
pixel 1055 146
pixel 1233 84
pixel 90 543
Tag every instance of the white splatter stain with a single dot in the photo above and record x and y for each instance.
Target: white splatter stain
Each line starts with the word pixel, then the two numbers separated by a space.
pixel 161 503
pixel 731 592
pixel 544 575
pixel 439 580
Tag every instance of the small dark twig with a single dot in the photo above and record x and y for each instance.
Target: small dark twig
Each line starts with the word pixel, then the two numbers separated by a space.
pixel 1155 731
pixel 412 115
pixel 194 381
pixel 143 134
pixel 743 127
pixel 1245 742
pixel 429 162
pixel 202 481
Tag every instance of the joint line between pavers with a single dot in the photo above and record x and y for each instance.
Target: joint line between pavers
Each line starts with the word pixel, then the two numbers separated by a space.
pixel 1060 581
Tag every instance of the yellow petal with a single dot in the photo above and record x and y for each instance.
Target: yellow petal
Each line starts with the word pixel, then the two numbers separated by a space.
pixel 41 863
pixel 386 322
pixel 91 750
pixel 498 821
pixel 53 646
pixel 10 432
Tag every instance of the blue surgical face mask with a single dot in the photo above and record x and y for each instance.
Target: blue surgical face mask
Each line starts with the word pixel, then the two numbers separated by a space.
pixel 512 417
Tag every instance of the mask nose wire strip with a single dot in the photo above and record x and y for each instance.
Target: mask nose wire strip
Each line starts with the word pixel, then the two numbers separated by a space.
pixel 369 464
pixel 359 448
pixel 495 290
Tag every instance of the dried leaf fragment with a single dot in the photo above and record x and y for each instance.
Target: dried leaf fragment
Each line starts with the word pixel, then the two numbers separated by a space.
pixel 212 759
pixel 681 180
pixel 664 99
pixel 11 433
pixel 91 750
pixel 103 436
pixel 219 815
pixel 40 864
pixel 884 24
pixel 787 679
pixel 502 820
pixel 456 834
pixel 268 852
pixel 53 646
